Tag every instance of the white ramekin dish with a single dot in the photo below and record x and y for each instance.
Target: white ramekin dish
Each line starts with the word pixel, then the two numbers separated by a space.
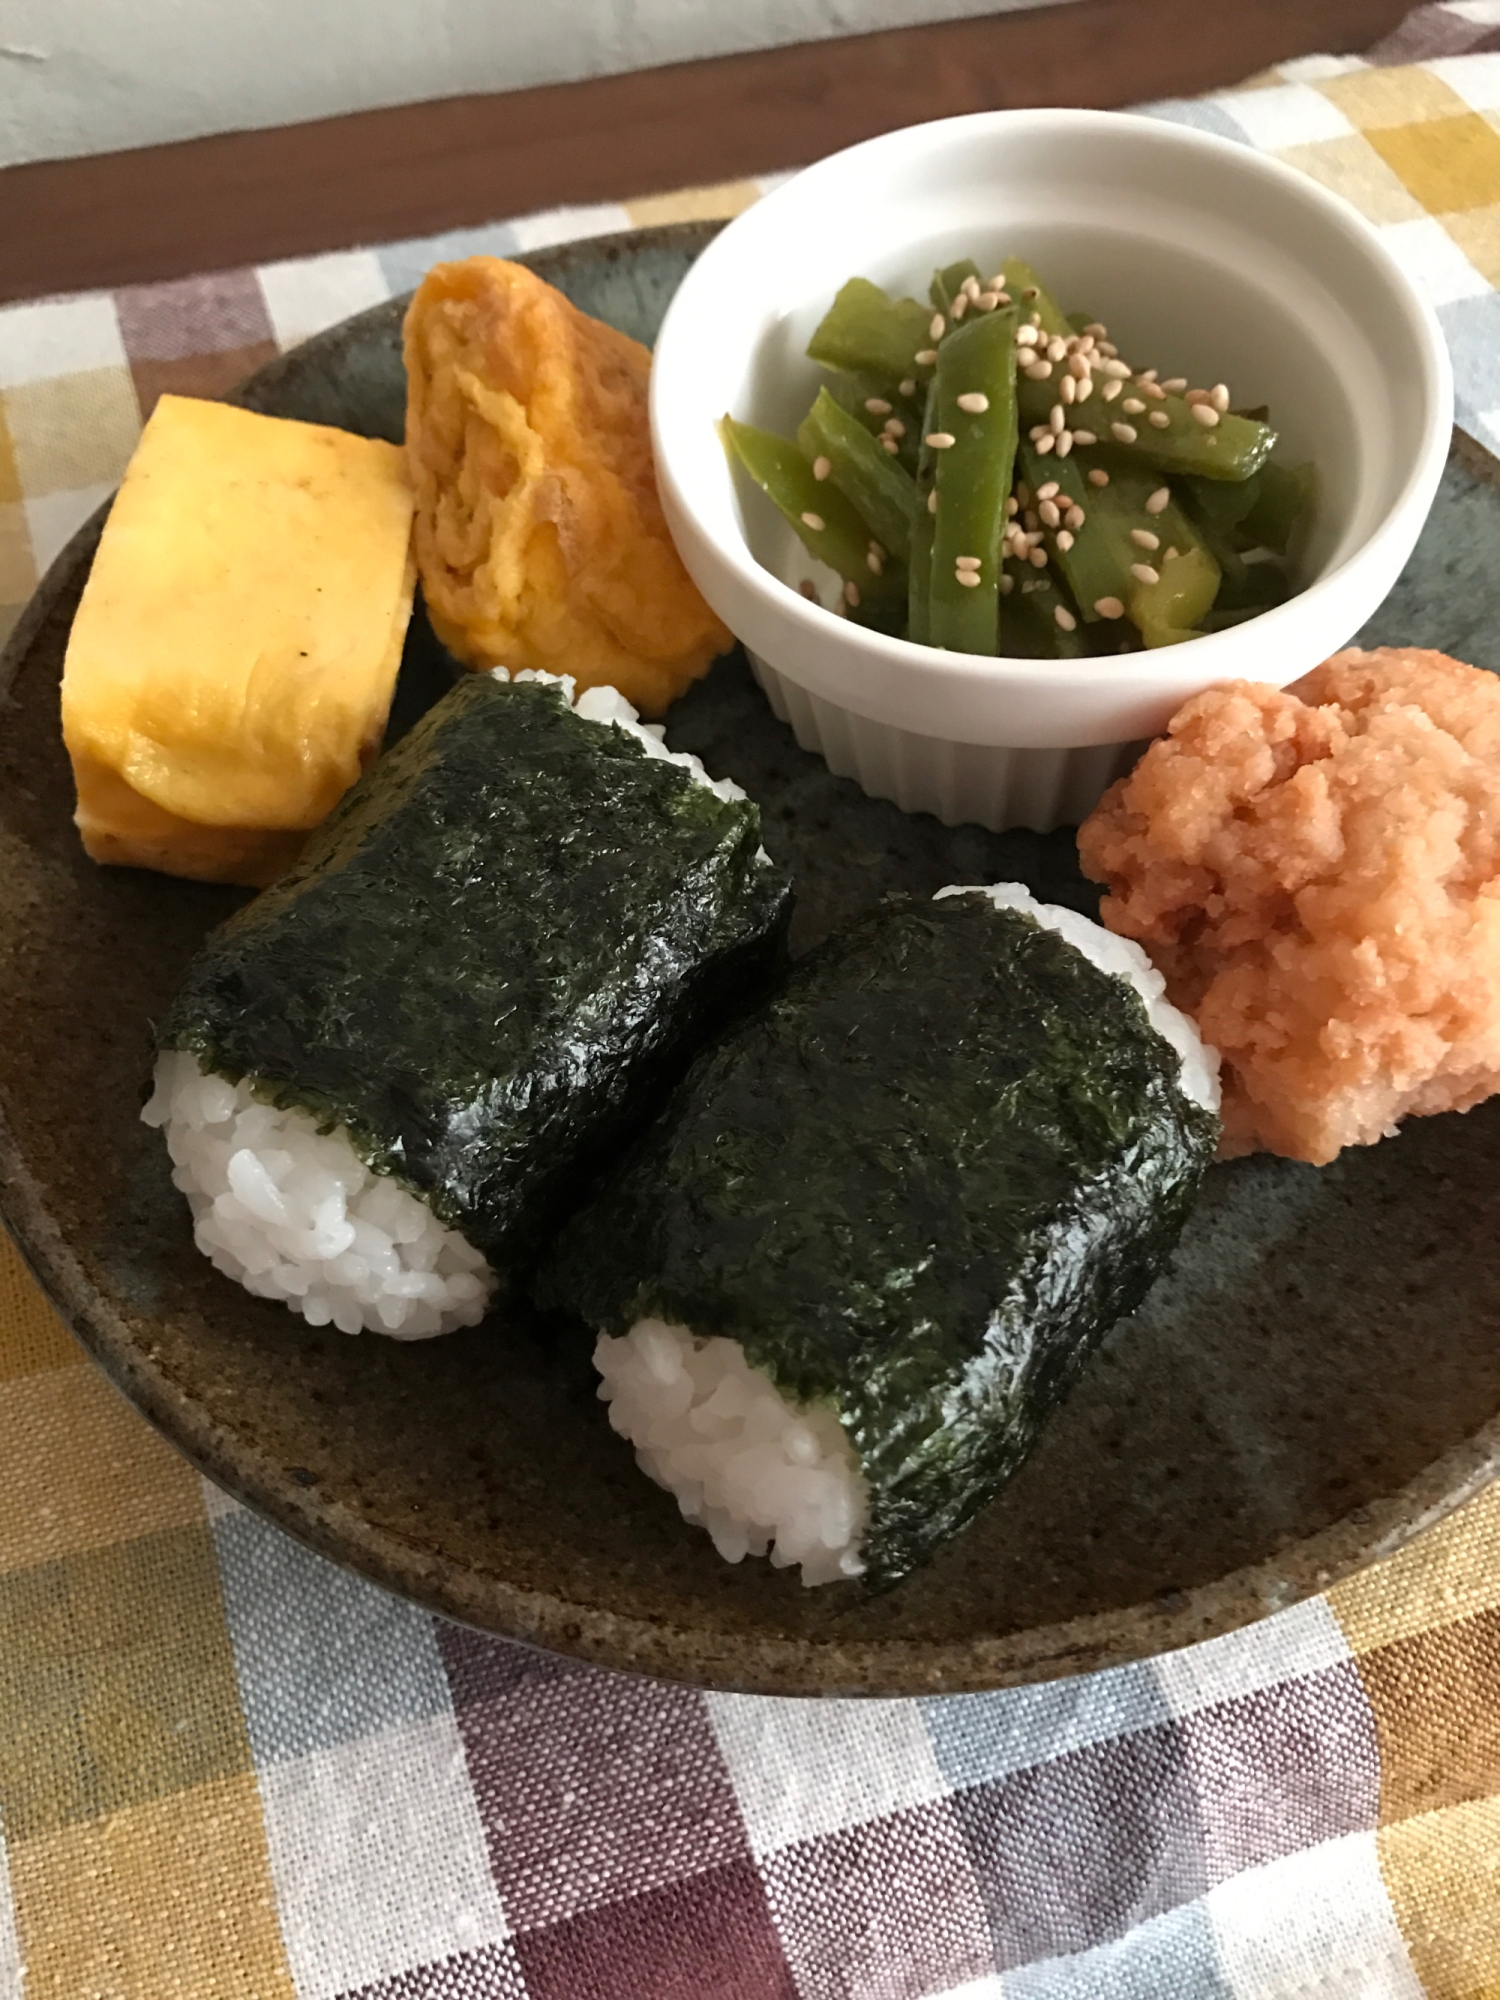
pixel 1205 259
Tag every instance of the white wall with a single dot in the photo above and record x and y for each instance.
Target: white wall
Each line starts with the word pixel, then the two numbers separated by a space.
pixel 91 76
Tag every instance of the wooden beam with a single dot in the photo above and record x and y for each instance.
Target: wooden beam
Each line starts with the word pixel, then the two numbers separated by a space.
pixel 247 197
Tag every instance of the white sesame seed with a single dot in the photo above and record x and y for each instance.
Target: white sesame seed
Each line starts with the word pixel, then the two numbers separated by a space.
pixel 1075 518
pixel 1068 388
pixel 939 440
pixel 1035 318
pixel 909 386
pixel 1012 507
pixel 925 357
pixel 1098 329
pixel 974 401
pixel 1084 437
pixel 1144 539
pixel 967 577
pixel 1065 618
pixel 1147 374
pixel 967 562
pixel 1057 419
pixel 895 428
pixel 851 593
pixel 877 406
pixel 822 467
pixel 1040 371
pixel 1218 395
pixel 1160 420
pixel 1158 499
pixel 1078 365
pixel 1064 444
pixel 1175 384
pixel 1064 540
pixel 1085 388
pixel 1099 477
pixel 1154 390
pixel 1032 521
pixel 932 501
pixel 815 522
pixel 959 307
pixel 1196 396
pixel 971 286
pixel 1109 607
pixel 889 445
pixel 1123 433
pixel 1111 390
pixel 1045 443
pixel 1171 555
pixel 1144 573
pixel 1108 347
pixel 875 563
pixel 1048 512
pixel 1132 405
pixel 1207 415
pixel 1048 492
pixel 1057 350
pixel 1007 585
pixel 1038 432
pixel 1117 371
pixel 1026 336
pixel 938 327
pixel 1038 558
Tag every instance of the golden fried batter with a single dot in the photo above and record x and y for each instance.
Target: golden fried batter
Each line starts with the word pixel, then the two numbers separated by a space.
pixel 539 536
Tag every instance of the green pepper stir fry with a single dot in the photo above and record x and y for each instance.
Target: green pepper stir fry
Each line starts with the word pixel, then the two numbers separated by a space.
pixel 986 474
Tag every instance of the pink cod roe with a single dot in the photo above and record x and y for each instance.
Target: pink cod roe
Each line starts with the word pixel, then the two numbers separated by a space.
pixel 1316 872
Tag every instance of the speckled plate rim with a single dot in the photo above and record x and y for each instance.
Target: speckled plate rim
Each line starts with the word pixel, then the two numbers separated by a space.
pixel 592 1632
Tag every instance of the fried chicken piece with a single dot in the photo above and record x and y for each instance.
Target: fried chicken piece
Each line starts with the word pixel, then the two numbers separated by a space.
pixel 1317 875
pixel 540 539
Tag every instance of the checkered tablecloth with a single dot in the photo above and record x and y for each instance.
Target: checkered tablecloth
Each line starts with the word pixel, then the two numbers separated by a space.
pixel 228 1769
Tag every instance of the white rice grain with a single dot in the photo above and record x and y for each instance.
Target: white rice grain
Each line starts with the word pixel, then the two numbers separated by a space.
pixel 763 1477
pixel 292 1213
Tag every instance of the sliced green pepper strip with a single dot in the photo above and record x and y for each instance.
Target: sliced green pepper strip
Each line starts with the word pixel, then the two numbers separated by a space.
pixel 1097 564
pixel 1285 495
pixel 839 538
pixel 855 393
pixel 1029 295
pixel 1028 617
pixel 949 282
pixel 1168 611
pixel 1244 586
pixel 976 364
pixel 871 333
pixel 923 532
pixel 884 494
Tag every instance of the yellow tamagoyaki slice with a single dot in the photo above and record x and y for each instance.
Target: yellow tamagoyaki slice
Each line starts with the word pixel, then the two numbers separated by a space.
pixel 232 660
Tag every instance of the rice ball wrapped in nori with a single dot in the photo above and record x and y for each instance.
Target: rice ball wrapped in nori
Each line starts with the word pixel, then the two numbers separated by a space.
pixel 386 1077
pixel 861 1256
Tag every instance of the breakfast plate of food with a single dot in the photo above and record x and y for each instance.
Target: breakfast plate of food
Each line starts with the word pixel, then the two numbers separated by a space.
pixel 558 1111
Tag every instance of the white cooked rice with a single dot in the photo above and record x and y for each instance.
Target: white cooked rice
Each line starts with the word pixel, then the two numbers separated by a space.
pixel 762 1476
pixel 292 1213
pixel 1124 959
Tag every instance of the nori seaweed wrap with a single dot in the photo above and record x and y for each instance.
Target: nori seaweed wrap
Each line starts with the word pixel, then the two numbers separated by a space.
pixel 495 957
pixel 915 1188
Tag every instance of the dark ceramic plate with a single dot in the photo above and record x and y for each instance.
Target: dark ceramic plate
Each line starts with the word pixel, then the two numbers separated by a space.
pixel 1316 1381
